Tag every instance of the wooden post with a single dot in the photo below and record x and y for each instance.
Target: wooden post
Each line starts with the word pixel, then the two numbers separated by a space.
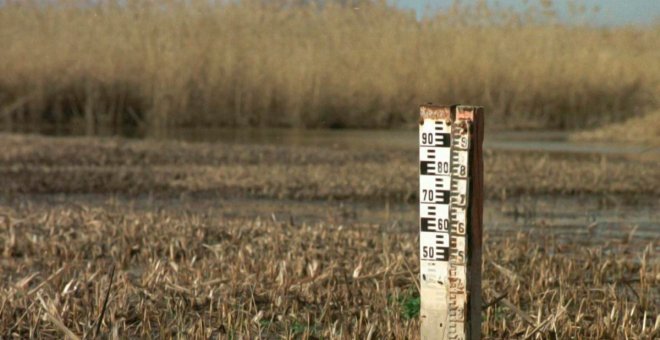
pixel 451 208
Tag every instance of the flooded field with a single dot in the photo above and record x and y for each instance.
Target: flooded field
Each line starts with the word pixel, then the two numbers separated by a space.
pixel 620 195
pixel 542 141
pixel 314 236
pixel 127 213
pixel 588 218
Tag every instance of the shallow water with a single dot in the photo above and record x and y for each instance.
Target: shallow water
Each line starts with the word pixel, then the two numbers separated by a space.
pixel 545 141
pixel 568 218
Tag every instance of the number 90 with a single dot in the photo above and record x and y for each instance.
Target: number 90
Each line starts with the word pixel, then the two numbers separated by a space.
pixel 427 138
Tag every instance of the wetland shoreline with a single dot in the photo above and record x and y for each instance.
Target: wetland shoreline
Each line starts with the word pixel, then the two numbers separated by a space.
pixel 219 240
pixel 43 165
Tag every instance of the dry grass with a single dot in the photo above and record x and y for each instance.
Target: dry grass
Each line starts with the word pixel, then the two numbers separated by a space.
pixel 195 276
pixel 175 63
pixel 31 164
pixel 643 130
pixel 149 270
pixel 186 271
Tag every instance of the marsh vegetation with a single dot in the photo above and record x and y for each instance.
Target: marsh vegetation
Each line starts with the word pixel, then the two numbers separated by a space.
pixel 181 240
pixel 158 65
pixel 314 238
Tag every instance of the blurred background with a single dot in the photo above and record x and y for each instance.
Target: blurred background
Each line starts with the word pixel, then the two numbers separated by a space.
pixel 149 67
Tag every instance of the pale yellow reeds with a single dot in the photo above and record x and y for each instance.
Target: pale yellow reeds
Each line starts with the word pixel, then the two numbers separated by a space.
pixel 176 63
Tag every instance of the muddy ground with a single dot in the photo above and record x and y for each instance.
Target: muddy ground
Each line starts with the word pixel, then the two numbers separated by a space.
pixel 126 238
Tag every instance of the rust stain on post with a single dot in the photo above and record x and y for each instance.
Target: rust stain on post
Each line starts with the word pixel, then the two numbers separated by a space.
pixel 466 113
pixel 475 212
pixel 434 112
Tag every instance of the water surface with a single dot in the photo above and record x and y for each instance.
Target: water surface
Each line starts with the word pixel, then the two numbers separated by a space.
pixel 545 141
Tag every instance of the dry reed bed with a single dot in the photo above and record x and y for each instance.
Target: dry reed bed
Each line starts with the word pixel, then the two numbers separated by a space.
pixel 640 130
pixel 30 164
pixel 175 63
pixel 191 275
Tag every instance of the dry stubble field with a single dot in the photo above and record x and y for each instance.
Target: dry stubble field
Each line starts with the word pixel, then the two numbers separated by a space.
pixel 122 270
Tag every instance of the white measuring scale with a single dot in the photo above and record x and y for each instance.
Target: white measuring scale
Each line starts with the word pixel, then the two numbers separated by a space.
pixel 445 136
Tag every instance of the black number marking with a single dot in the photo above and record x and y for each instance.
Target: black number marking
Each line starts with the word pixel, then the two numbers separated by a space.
pixel 428 252
pixel 428 195
pixel 443 224
pixel 434 225
pixel 439 252
pixel 436 139
pixel 435 253
pixel 457 256
pixel 443 167
pixel 435 196
pixel 434 168
pixel 427 138
pixel 458 227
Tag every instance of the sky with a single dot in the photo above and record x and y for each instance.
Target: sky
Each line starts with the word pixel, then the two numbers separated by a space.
pixel 612 12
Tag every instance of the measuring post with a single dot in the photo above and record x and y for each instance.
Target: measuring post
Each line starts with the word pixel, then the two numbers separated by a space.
pixel 450 221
